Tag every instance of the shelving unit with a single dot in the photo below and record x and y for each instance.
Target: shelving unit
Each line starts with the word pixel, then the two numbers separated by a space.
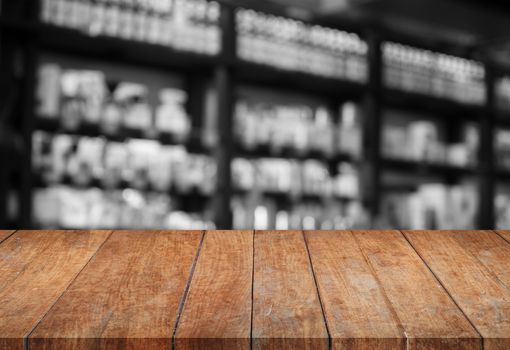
pixel 440 108
pixel 194 143
pixel 264 152
pixel 417 168
pixel 121 50
pixel 226 71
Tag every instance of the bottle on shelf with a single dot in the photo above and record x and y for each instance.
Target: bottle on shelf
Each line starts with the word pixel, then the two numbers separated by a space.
pixel 68 207
pixel 141 164
pixel 190 25
pixel 408 137
pixel 434 74
pixel 266 214
pixel 85 99
pixel 503 93
pixel 502 148
pixel 293 45
pixel 300 129
pixel 432 206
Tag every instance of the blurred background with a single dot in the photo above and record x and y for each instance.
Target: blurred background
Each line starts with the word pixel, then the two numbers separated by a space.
pixel 239 114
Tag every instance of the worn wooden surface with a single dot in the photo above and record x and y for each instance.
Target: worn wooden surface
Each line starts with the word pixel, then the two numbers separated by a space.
pixel 358 313
pixel 462 264
pixel 127 296
pixel 35 269
pixel 217 311
pixel 428 315
pixel 373 290
pixel 4 234
pixel 286 308
pixel 505 235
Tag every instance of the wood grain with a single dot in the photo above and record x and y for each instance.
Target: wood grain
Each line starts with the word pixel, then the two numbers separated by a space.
pixel 217 311
pixel 377 290
pixel 4 234
pixel 490 249
pixel 36 267
pixel 287 312
pixel 127 297
pixel 464 266
pixel 430 318
pixel 358 313
pixel 505 235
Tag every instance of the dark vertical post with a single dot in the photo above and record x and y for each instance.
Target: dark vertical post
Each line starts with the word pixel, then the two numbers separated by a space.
pixel 196 89
pixel 11 68
pixel 4 178
pixel 30 61
pixel 486 172
pixel 28 97
pixel 372 168
pixel 223 82
pixel 3 167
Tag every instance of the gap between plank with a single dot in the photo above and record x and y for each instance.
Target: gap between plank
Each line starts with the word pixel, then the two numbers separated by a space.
pixel 9 236
pixel 182 302
pixel 444 288
pixel 252 287
pixel 483 266
pixel 500 235
pixel 383 291
pixel 330 341
pixel 27 337
pixel 12 232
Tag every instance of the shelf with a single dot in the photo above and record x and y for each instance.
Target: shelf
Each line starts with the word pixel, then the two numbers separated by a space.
pixel 134 52
pixel 418 168
pixel 261 74
pixel 287 197
pixel 192 194
pixel 503 119
pixel 16 25
pixel 440 108
pixel 503 175
pixel 168 60
pixel 92 130
pixel 399 188
pixel 289 153
pixel 121 50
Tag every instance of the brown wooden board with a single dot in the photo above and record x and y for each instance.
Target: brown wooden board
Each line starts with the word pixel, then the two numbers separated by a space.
pixel 4 234
pixel 490 249
pixel 217 310
pixel 287 312
pixel 463 263
pixel 358 314
pixel 505 235
pixel 428 315
pixel 36 267
pixel 264 290
pixel 127 297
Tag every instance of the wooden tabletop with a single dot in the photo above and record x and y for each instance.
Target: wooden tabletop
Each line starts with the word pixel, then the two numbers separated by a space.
pixel 348 290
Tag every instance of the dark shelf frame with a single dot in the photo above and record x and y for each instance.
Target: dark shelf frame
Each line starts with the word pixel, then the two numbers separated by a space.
pixel 52 126
pixel 427 169
pixel 289 198
pixel 21 29
pixel 439 108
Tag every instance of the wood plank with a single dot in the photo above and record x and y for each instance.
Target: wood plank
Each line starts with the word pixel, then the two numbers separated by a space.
pixel 4 234
pixel 505 235
pixel 217 310
pixel 36 267
pixel 127 297
pixel 358 314
pixel 490 249
pixel 287 312
pixel 430 318
pixel 484 298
